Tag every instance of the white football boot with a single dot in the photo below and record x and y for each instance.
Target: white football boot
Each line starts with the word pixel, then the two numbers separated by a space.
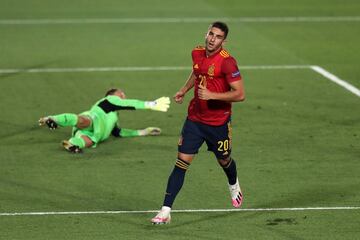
pixel 163 217
pixel 236 194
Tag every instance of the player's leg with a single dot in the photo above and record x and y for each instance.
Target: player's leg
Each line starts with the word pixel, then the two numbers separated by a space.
pixel 52 125
pixel 83 121
pixel 174 185
pixel 189 143
pixel 219 142
pixel 229 167
pixel 63 120
pixel 66 119
pixel 81 139
pixel 176 178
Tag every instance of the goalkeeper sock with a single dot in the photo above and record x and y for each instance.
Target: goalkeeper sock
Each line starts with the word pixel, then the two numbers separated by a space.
pixel 230 171
pixel 175 182
pixel 65 119
pixel 78 141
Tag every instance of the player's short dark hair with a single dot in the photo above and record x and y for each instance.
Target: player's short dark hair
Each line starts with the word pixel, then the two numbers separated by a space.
pixel 111 91
pixel 222 26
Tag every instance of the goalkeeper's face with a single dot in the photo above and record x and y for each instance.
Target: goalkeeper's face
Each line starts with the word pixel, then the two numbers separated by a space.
pixel 120 93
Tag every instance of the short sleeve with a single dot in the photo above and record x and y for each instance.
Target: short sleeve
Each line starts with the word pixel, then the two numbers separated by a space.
pixel 230 70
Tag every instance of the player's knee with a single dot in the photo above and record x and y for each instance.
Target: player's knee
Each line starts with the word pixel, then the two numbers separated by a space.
pixel 87 140
pixel 181 165
pixel 83 122
pixel 186 157
pixel 224 162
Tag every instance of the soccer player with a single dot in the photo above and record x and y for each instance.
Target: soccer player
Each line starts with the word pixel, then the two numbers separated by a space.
pixel 217 83
pixel 96 125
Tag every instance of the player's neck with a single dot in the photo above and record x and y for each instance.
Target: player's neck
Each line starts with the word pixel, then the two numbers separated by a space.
pixel 212 53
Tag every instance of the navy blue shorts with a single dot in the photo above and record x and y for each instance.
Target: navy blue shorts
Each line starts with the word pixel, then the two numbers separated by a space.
pixel 217 138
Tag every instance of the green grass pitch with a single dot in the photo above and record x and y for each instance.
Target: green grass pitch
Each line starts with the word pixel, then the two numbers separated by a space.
pixel 295 138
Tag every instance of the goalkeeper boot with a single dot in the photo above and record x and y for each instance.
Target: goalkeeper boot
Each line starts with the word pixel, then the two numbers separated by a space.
pixel 236 194
pixel 71 147
pixel 49 122
pixel 163 217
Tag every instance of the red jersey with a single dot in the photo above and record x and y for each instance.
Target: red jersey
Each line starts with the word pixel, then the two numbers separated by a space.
pixel 214 72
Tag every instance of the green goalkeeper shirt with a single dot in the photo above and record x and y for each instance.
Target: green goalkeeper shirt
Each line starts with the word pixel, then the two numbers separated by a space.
pixel 104 115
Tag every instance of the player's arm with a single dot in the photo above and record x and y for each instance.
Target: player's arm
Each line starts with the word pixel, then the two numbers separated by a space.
pixel 232 75
pixel 114 103
pixel 179 96
pixel 236 94
pixel 125 132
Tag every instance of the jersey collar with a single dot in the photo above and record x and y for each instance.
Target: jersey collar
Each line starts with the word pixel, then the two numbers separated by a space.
pixel 214 54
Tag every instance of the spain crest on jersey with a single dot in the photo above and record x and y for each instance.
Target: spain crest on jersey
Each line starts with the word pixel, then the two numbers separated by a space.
pixel 211 70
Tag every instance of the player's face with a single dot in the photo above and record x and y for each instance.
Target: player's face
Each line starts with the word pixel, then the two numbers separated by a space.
pixel 214 40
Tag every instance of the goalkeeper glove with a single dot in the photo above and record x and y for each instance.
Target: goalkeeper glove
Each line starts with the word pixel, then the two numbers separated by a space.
pixel 160 104
pixel 152 131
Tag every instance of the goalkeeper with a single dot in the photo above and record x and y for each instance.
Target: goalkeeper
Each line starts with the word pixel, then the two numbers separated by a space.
pixel 96 125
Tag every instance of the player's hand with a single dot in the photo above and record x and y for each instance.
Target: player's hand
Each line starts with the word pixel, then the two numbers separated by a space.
pixel 152 131
pixel 179 97
pixel 161 104
pixel 204 93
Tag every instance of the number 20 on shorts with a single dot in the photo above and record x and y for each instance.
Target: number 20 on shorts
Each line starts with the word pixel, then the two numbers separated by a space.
pixel 223 145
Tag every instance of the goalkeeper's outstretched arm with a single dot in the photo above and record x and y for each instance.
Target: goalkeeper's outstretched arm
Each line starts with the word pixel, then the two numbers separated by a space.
pixel 124 132
pixel 161 104
pixel 114 103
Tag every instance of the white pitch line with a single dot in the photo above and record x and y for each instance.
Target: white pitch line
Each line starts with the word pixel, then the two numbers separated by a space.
pixel 94 69
pixel 317 69
pixel 336 80
pixel 133 69
pixel 180 20
pixel 183 211
pixel 269 67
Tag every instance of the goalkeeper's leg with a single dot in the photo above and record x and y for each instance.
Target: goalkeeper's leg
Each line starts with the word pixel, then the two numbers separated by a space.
pixel 77 143
pixel 66 119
